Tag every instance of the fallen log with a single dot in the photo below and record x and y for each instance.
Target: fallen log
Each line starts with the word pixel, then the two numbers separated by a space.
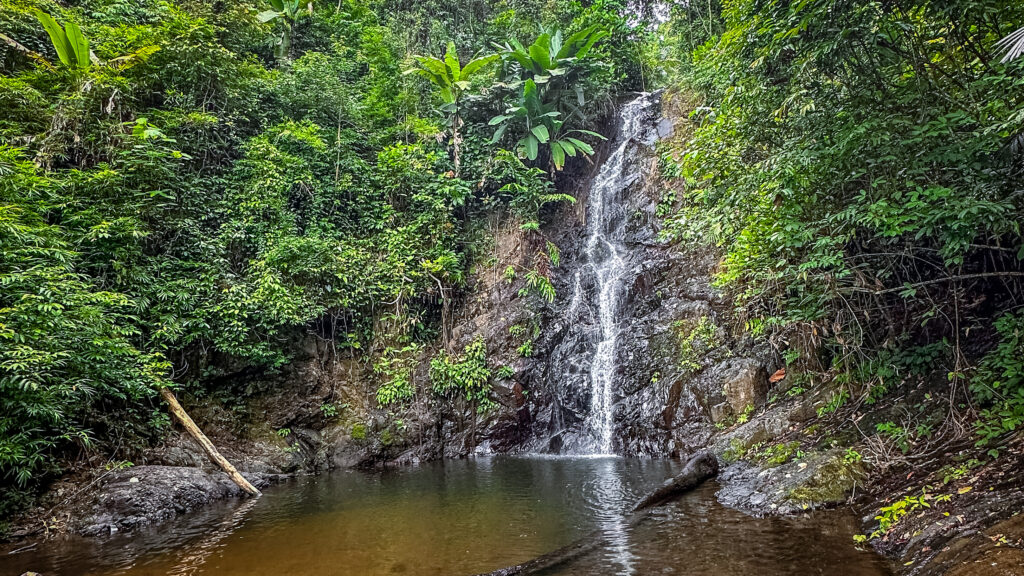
pixel 553 559
pixel 699 468
pixel 208 447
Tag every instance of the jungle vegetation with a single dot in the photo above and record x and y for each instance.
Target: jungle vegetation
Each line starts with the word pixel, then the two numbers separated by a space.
pixel 186 185
pixel 859 164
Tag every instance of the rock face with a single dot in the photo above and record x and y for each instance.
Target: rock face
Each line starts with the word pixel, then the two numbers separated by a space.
pixel 677 369
pixel 659 407
pixel 745 384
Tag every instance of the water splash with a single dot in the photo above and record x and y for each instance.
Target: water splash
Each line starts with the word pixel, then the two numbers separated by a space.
pixel 605 255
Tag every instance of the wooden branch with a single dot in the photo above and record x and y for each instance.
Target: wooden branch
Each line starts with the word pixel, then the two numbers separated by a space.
pixel 702 466
pixel 938 281
pixel 27 52
pixel 208 446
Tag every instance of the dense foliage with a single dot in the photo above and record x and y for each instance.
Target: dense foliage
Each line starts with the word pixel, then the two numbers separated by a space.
pixel 860 163
pixel 185 184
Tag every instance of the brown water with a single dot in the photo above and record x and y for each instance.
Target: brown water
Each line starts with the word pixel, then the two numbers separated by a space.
pixel 464 517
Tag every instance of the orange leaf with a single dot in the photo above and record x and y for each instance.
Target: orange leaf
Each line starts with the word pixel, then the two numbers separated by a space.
pixel 779 375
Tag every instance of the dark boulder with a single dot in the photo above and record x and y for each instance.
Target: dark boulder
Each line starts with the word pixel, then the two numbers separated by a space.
pixel 148 494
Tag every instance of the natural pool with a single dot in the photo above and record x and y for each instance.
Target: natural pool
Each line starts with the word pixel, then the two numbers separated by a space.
pixel 465 517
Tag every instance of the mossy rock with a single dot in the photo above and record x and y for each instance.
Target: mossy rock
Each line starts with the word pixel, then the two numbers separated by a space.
pixel 829 483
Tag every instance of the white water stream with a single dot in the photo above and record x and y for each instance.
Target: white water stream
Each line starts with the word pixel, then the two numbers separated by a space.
pixel 605 256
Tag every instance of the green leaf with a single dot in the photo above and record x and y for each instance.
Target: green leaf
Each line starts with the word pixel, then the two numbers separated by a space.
pixel 590 43
pixel 589 133
pixel 478 63
pixel 435 67
pixel 531 145
pixel 574 41
pixel 522 58
pixel 79 44
pixel 581 146
pixel 541 132
pixel 498 120
pixel 555 45
pixel 529 90
pixel 268 15
pixel 57 37
pixel 540 52
pixel 499 133
pixel 451 61
pixel 557 155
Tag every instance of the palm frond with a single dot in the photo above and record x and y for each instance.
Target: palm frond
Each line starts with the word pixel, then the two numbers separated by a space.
pixel 1012 45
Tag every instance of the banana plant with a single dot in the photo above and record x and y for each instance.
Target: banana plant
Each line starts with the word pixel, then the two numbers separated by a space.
pixel 72 46
pixel 452 80
pixel 541 124
pixel 289 11
pixel 549 57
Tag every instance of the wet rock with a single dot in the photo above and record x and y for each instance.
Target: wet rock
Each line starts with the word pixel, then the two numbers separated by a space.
pixel 666 128
pixel 802 412
pixel 346 451
pixel 148 494
pixel 721 412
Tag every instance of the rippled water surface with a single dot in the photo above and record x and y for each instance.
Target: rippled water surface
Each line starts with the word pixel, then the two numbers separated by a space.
pixel 464 517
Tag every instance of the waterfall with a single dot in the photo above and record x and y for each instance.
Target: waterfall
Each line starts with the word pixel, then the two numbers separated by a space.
pixel 605 255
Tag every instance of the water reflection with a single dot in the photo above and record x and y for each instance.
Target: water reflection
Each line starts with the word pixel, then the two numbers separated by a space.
pixel 610 488
pixel 464 517
pixel 195 555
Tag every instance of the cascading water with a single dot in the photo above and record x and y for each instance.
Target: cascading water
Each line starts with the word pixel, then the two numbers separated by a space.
pixel 605 255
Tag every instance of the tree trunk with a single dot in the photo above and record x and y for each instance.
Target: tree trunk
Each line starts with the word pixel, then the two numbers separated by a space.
pixel 701 466
pixel 208 446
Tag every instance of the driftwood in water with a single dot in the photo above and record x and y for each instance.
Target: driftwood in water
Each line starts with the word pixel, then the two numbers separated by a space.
pixel 700 467
pixel 552 559
pixel 208 446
